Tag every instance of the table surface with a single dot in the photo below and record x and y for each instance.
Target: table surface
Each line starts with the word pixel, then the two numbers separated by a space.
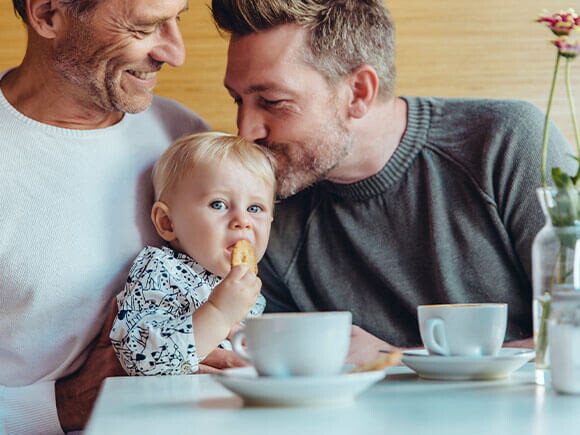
pixel 400 404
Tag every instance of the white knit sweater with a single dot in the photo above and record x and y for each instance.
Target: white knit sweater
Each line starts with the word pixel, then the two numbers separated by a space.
pixel 74 213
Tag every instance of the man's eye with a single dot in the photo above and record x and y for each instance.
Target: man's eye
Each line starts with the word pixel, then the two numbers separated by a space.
pixel 218 205
pixel 254 209
pixel 272 102
pixel 143 33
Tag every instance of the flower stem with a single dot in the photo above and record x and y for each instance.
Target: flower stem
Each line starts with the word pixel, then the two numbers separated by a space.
pixel 542 337
pixel 547 122
pixel 572 108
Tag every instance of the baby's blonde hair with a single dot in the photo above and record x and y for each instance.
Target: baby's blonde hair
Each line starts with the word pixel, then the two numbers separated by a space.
pixel 210 146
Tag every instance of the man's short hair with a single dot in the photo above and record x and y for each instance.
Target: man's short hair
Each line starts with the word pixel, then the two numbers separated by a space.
pixel 74 7
pixel 343 34
pixel 211 146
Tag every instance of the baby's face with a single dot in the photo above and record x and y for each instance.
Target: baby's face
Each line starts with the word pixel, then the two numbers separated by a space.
pixel 216 205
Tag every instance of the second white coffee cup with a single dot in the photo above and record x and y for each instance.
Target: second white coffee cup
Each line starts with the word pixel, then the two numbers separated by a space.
pixel 463 329
pixel 296 344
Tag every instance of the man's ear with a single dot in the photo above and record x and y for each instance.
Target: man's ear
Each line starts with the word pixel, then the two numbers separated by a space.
pixel 364 87
pixel 162 221
pixel 45 17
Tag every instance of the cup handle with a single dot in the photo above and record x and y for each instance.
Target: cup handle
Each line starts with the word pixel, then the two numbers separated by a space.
pixel 436 340
pixel 237 346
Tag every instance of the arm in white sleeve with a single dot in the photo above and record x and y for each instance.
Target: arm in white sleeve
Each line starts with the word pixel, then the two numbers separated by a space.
pixel 29 410
pixel 258 307
pixel 151 342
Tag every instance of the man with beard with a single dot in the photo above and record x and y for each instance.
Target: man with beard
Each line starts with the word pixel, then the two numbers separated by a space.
pixel 390 202
pixel 79 132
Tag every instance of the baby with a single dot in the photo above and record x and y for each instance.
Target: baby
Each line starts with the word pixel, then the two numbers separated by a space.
pixel 211 190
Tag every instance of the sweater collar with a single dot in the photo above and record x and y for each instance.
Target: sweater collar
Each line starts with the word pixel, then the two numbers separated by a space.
pixel 418 121
pixel 211 279
pixel 13 113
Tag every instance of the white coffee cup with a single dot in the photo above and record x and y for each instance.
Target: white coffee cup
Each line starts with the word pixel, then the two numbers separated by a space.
pixel 296 344
pixel 463 329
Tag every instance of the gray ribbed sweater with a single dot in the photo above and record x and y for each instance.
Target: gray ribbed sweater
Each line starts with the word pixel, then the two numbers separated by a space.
pixel 450 218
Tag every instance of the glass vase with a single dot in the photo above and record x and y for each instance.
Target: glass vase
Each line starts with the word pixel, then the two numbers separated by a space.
pixel 564 339
pixel 555 263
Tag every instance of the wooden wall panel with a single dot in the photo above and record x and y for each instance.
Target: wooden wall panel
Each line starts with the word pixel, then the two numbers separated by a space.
pixel 474 48
pixel 480 48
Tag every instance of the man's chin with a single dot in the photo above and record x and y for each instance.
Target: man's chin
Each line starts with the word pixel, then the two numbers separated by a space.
pixel 136 108
pixel 287 189
pixel 134 105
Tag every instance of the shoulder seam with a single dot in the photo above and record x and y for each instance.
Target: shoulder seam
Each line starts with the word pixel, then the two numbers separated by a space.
pixel 463 168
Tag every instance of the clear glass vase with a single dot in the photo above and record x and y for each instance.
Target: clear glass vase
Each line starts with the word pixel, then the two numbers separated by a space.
pixel 564 342
pixel 555 263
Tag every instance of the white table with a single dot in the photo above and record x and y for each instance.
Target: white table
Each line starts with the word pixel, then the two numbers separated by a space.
pixel 402 404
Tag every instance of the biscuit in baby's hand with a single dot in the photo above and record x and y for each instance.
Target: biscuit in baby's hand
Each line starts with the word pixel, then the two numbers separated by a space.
pixel 243 253
pixel 382 362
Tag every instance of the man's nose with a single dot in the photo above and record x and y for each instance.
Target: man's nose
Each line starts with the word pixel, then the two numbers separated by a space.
pixel 170 48
pixel 251 125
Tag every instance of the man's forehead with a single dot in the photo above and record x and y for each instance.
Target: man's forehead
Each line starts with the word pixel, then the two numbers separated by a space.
pixel 264 61
pixel 149 11
pixel 266 48
pixel 258 87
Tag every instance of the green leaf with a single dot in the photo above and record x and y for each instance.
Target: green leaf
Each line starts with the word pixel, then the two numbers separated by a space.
pixel 576 178
pixel 566 208
pixel 561 179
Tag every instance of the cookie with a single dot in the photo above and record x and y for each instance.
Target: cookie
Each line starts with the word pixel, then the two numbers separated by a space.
pixel 387 360
pixel 243 253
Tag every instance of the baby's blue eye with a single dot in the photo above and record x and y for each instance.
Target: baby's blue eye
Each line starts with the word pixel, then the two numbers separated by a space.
pixel 218 205
pixel 254 209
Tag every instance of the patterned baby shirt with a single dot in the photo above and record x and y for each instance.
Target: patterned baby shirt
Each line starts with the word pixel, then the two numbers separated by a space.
pixel 153 332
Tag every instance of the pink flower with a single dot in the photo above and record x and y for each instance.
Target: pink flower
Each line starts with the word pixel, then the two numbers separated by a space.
pixel 567 48
pixel 562 23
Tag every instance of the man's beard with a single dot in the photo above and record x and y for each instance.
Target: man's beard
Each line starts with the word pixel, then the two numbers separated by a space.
pixel 78 64
pixel 302 164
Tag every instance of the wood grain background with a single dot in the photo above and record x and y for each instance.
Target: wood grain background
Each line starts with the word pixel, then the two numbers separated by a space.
pixel 470 48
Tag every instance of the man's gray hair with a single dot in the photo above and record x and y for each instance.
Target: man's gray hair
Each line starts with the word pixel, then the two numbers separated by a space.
pixel 343 34
pixel 74 7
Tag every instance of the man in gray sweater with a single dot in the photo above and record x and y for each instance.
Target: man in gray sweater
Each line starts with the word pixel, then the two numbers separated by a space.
pixel 390 202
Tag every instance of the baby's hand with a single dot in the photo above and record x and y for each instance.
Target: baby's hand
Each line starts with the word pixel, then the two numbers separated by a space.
pixel 235 296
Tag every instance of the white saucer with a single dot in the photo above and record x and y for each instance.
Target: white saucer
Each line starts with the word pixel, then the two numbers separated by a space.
pixel 297 390
pixel 461 368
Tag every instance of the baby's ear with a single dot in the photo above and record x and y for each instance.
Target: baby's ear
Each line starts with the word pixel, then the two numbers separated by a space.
pixel 162 221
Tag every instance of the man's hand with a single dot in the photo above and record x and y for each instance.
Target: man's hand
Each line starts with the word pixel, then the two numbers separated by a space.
pixel 527 343
pixel 76 394
pixel 365 347
pixel 220 359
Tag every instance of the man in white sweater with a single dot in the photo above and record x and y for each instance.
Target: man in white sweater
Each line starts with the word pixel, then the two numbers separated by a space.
pixel 79 132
